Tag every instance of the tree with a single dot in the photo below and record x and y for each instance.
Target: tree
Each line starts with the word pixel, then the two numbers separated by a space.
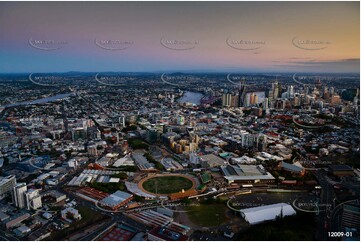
pixel 121 175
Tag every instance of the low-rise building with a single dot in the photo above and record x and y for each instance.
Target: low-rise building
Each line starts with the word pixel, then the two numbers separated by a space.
pixel 165 234
pixel 116 200
pixel 246 174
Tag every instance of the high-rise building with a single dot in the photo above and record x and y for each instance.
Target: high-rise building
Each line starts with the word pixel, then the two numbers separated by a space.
pixel 193 158
pixel 19 195
pixel 235 100
pixel 247 139
pixel 92 150
pixel 335 99
pixel 274 90
pixel 290 91
pixel 242 93
pixel 7 184
pixel 296 100
pixel 33 199
pixel 78 133
pixel 122 121
pixel 226 100
pixel 318 84
pixel 254 99
pixel 265 103
pixel 151 136
pixel 180 120
pixel 251 98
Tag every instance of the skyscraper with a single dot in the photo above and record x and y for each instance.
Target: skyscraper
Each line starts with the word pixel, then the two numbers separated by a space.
pixel 265 103
pixel 235 100
pixel 7 184
pixel 33 199
pixel 19 195
pixel 226 100
pixel 242 93
pixel 274 90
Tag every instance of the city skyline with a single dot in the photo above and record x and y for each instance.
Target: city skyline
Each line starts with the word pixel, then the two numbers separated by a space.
pixel 257 37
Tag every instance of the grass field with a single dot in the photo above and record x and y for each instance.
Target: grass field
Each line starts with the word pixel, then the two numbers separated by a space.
pixel 208 215
pixel 292 228
pixel 167 184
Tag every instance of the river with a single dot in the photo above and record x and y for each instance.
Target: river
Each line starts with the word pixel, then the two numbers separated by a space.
pixel 191 97
pixel 39 101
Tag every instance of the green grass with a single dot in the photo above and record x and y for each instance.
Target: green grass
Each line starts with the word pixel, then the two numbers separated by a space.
pixel 167 184
pixel 107 187
pixel 291 228
pixel 208 215
pixel 137 144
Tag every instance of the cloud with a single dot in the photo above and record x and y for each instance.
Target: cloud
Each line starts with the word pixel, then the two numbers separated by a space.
pixel 341 65
pixel 327 62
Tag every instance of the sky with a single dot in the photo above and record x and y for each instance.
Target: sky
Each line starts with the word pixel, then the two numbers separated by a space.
pixel 321 37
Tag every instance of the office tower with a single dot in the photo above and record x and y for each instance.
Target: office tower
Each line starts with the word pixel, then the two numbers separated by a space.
pixel 92 150
pixel 122 121
pixel 356 99
pixel 193 158
pixel 226 100
pixel 255 99
pixel 290 91
pixel 180 120
pixel 33 199
pixel 318 84
pixel 307 90
pixel 335 99
pixel 235 100
pixel 251 98
pixel 296 100
pixel 265 103
pixel 19 195
pixel 151 136
pixel 78 133
pixel 275 90
pixel 7 184
pixel 242 93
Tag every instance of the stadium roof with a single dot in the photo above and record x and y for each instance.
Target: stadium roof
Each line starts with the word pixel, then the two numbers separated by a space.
pixel 260 214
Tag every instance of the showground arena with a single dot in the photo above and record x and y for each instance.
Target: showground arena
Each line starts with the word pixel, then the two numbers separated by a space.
pixel 167 184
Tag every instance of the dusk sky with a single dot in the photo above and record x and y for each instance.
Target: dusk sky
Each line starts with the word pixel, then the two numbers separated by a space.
pixel 141 36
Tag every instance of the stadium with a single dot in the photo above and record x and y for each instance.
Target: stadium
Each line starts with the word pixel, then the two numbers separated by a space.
pixel 174 186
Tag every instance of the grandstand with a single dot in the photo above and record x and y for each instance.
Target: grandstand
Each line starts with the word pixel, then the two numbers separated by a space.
pixel 133 188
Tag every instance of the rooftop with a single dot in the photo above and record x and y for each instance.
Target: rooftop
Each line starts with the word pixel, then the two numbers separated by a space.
pixel 269 212
pixel 116 198
pixel 167 234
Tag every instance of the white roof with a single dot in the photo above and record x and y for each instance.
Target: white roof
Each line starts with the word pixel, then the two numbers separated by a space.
pixel 260 214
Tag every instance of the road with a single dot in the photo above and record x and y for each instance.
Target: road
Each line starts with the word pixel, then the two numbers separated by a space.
pixel 7 237
pixel 326 201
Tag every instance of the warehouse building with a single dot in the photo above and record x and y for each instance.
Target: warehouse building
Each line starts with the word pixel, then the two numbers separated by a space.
pixel 116 200
pixel 246 174
pixel 340 170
